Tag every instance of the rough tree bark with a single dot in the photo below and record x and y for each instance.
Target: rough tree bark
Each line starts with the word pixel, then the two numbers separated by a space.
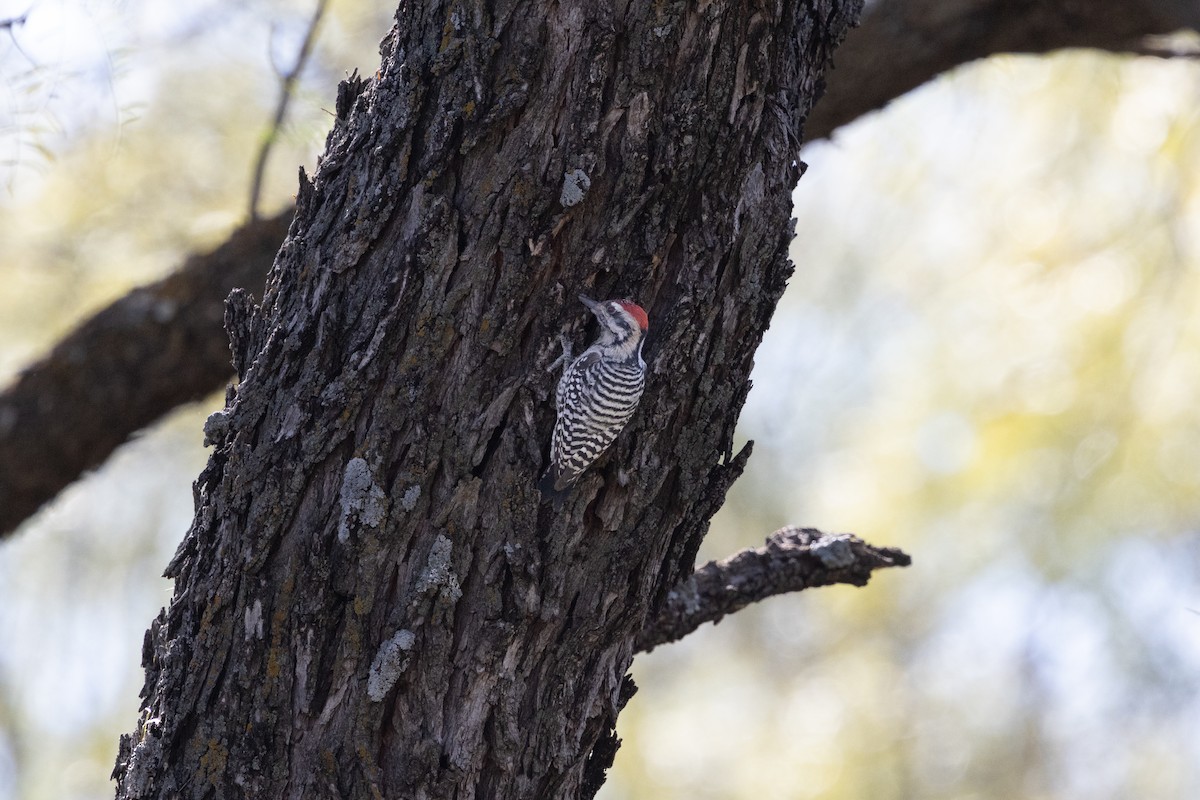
pixel 900 45
pixel 371 601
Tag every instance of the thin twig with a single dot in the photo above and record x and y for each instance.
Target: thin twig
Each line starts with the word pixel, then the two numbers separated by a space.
pixel 1153 51
pixel 793 559
pixel 1171 45
pixel 287 86
pixel 10 25
pixel 12 22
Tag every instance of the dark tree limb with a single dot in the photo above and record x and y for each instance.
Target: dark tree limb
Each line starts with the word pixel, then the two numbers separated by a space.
pixel 899 45
pixel 156 348
pixel 792 559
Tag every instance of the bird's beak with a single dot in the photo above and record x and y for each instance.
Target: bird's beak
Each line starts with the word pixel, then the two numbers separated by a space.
pixel 592 305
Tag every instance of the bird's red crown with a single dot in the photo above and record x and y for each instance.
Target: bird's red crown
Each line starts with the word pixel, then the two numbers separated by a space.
pixel 637 312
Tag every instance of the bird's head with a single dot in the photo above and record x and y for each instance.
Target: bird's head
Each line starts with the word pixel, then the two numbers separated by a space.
pixel 621 321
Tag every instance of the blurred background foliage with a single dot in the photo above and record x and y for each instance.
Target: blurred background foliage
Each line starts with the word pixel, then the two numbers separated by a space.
pixel 989 355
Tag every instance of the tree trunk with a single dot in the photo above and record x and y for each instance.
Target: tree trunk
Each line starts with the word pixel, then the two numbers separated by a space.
pixel 371 600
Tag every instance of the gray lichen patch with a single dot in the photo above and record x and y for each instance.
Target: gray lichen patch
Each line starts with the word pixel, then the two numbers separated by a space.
pixel 362 501
pixel 686 595
pixel 215 428
pixel 439 574
pixel 409 501
pixel 834 551
pixel 254 620
pixel 575 186
pixel 389 664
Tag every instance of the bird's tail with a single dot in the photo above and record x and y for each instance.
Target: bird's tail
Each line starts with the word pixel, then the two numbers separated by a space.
pixel 554 487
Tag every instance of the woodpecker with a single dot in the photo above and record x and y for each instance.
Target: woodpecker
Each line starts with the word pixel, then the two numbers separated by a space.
pixel 597 394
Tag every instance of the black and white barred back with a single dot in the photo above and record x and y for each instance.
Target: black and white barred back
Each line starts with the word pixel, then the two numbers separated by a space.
pixel 597 395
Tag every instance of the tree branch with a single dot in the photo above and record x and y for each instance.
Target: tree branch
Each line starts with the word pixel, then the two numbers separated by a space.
pixel 901 44
pixel 156 348
pixel 792 559
pixel 1166 47
pixel 287 86
pixel 8 23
